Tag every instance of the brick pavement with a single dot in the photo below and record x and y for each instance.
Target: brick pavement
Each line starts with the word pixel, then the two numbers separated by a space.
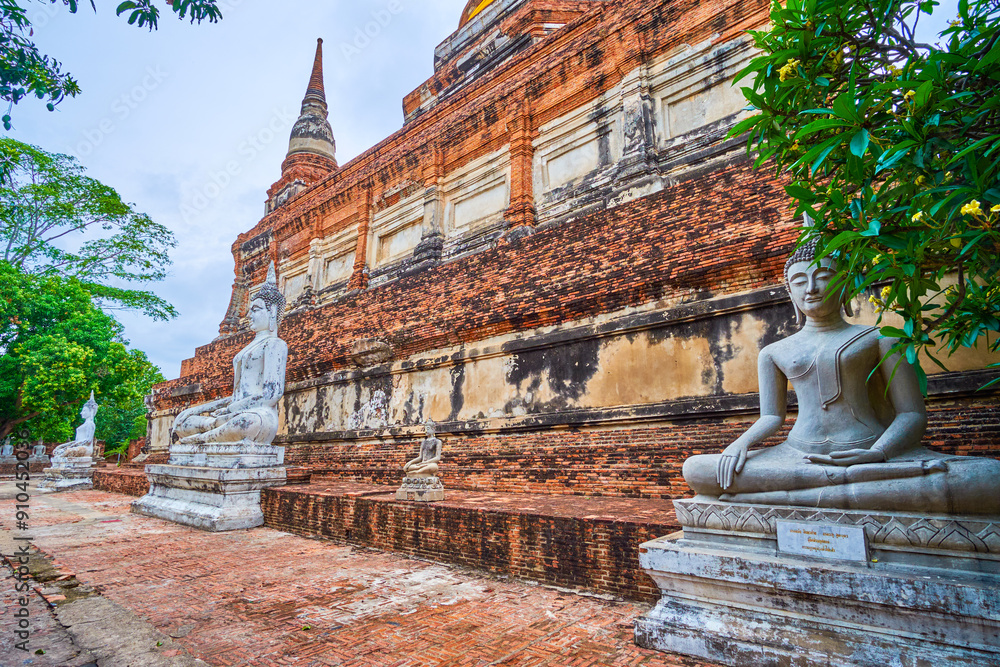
pixel 264 597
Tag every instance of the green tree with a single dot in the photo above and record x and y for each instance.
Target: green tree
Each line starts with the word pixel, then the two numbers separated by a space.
pixel 26 72
pixel 892 147
pixel 122 416
pixel 56 347
pixel 48 204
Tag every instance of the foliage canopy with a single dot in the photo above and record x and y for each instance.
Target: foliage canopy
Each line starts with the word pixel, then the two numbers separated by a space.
pixel 892 148
pixel 56 347
pixel 47 201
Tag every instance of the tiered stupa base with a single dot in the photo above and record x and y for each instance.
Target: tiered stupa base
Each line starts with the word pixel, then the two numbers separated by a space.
pixel 926 592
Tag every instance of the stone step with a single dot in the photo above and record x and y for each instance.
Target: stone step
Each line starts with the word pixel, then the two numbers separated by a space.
pixel 570 541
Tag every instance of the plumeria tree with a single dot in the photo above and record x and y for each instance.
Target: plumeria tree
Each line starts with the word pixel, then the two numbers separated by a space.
pixel 891 147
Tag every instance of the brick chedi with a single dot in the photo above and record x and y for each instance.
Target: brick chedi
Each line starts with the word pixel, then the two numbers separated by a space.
pixel 559 258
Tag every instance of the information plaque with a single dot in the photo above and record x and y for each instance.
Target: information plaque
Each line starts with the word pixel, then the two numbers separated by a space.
pixel 822 540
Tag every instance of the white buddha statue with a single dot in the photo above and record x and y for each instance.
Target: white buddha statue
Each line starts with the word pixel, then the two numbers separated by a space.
pixel 853 445
pixel 82 446
pixel 250 415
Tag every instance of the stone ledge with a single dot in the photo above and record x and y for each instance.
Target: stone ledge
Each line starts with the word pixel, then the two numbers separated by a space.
pixel 571 541
pixel 931 534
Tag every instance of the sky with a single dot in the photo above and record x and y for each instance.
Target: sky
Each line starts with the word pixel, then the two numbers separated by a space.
pixel 163 114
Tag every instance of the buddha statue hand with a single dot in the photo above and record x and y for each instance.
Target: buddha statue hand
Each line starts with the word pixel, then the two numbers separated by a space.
pixel 731 463
pixel 848 457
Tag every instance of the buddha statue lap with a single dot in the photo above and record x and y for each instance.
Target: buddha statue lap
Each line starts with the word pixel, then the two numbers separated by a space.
pixel 854 445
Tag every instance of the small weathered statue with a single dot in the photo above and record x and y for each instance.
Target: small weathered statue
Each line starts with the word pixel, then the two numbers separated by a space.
pixel 38 451
pixel 421 481
pixel 853 445
pixel 250 415
pixel 82 446
pixel 7 450
pixel 73 462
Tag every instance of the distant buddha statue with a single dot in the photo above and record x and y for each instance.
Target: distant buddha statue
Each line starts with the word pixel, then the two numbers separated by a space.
pixel 426 464
pixel 82 447
pixel 250 415
pixel 7 451
pixel 853 445
pixel 38 451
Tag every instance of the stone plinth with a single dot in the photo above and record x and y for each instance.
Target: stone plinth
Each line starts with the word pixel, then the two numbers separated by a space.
pixel 68 474
pixel 421 489
pixel 928 593
pixel 210 498
pixel 227 455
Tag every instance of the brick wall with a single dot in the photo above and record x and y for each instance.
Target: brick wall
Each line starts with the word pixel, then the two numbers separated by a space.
pixel 720 233
pixel 121 480
pixel 642 462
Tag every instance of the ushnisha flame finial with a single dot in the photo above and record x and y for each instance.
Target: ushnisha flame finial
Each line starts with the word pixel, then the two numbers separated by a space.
pixel 270 293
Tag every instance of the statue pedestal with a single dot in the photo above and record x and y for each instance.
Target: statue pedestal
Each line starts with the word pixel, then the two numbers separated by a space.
pixel 68 474
pixel 421 489
pixel 926 590
pixel 210 498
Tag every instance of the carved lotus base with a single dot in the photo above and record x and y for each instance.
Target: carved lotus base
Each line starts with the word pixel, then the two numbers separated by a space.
pixel 925 592
pixel 227 455
pixel 421 489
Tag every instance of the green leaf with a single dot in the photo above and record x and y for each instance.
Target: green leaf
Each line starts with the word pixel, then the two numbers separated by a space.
pixel 859 143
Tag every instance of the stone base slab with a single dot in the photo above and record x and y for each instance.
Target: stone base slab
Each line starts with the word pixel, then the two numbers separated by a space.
pixel 421 489
pixel 67 476
pixel 212 499
pixel 746 605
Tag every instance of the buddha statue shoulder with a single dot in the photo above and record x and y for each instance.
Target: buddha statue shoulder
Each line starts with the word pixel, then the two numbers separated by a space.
pixel 856 441
pixel 250 415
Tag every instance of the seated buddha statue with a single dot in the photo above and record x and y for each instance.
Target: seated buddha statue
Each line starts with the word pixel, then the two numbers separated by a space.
pixel 854 444
pixel 82 446
pixel 250 415
pixel 426 464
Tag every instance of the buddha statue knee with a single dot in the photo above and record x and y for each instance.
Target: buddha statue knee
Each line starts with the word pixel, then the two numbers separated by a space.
pixel 250 414
pixel 854 445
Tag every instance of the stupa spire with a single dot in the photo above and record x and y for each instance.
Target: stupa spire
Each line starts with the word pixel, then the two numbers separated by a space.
pixel 315 91
pixel 312 133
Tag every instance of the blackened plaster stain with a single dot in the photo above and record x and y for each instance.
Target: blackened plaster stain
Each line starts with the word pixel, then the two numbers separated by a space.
pixel 457 390
pixel 565 369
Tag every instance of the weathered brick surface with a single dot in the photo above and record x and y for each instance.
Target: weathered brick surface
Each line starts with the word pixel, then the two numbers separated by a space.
pixel 266 598
pixel 724 232
pixel 127 481
pixel 573 542
pixel 635 462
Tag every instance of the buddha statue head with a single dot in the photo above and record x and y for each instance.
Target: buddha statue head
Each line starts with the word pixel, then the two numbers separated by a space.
pixel 89 410
pixel 429 428
pixel 809 282
pixel 267 306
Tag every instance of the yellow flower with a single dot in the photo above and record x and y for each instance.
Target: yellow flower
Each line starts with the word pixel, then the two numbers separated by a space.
pixel 995 209
pixel 921 180
pixel 795 147
pixel 909 95
pixel 972 208
pixel 956 242
pixel 918 216
pixel 895 71
pixel 885 292
pixel 788 70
